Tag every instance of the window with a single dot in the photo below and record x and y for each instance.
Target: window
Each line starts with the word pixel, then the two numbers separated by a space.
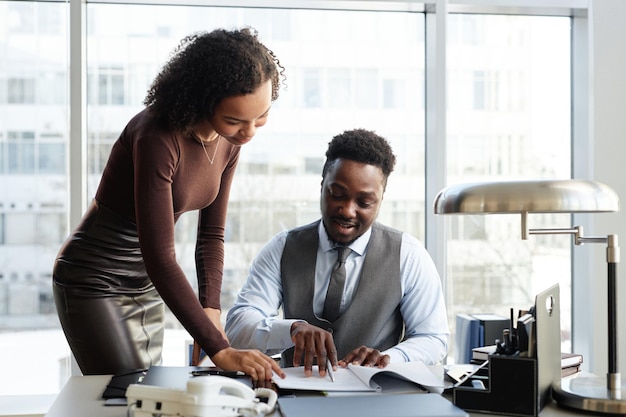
pixel 106 86
pixel 33 191
pixel 51 158
pixel 515 124
pixel 479 92
pixel 21 91
pixel 21 152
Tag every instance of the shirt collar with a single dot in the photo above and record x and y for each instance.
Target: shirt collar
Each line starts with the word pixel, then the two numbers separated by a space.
pixel 357 246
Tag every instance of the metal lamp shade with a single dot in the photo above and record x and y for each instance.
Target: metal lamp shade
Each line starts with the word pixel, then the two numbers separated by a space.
pixel 539 196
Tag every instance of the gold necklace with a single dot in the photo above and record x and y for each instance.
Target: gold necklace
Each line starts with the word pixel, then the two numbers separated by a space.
pixel 214 153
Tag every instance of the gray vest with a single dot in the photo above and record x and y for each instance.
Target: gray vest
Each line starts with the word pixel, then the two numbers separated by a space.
pixel 373 318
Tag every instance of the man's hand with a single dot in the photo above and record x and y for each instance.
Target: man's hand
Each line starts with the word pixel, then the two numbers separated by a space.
pixel 313 342
pixel 365 356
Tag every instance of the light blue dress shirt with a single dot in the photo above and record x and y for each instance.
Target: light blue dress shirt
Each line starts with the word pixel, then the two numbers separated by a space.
pixel 255 321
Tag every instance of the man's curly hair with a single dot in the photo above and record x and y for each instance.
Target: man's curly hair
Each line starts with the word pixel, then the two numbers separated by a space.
pixel 207 67
pixel 363 146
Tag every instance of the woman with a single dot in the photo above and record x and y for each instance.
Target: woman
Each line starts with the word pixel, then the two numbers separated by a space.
pixel 179 154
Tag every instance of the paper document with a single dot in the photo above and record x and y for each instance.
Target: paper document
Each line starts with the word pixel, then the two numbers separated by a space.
pixel 356 378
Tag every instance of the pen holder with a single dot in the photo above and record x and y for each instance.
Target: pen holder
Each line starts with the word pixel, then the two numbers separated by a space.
pixel 511 388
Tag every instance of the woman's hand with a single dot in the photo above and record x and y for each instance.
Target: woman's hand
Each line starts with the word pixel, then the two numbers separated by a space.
pixel 252 362
pixel 215 315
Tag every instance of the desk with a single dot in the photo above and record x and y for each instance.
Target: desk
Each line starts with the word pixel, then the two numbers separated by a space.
pixel 81 397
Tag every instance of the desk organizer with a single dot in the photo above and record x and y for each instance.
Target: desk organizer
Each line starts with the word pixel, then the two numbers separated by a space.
pixel 516 385
pixel 512 388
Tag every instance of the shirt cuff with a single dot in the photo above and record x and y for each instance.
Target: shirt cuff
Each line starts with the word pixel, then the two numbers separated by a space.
pixel 280 336
pixel 395 355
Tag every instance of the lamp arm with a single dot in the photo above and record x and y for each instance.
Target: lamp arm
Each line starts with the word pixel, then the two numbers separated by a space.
pixel 572 231
pixel 579 239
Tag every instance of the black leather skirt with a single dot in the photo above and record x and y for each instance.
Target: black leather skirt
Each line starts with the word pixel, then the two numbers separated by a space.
pixel 112 315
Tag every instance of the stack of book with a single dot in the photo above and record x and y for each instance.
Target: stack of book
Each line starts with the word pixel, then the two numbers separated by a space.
pixel 570 362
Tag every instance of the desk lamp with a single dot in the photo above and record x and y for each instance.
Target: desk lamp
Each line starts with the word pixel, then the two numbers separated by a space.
pixel 590 393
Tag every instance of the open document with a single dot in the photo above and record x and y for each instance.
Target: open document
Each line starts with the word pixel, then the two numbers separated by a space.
pixel 356 378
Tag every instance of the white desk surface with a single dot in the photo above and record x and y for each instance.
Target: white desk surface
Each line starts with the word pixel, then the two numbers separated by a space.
pixel 81 397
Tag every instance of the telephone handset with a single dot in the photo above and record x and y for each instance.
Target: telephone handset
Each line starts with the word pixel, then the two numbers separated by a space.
pixel 205 395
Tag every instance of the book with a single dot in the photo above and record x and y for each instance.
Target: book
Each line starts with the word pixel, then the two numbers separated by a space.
pixel 568 360
pixel 467 336
pixel 481 353
pixel 569 370
pixel 571 359
pixel 357 378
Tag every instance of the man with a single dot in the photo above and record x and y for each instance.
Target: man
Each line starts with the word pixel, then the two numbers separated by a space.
pixel 391 308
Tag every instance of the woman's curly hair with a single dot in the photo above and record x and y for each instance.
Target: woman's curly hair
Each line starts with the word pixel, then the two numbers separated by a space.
pixel 207 67
pixel 362 146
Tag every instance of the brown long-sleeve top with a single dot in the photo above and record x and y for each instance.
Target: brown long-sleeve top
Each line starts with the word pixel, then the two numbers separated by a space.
pixel 152 177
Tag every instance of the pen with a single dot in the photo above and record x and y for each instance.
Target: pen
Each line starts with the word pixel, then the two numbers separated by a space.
pixel 329 369
pixel 202 372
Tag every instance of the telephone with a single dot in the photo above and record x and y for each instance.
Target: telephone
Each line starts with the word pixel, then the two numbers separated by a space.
pixel 208 395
